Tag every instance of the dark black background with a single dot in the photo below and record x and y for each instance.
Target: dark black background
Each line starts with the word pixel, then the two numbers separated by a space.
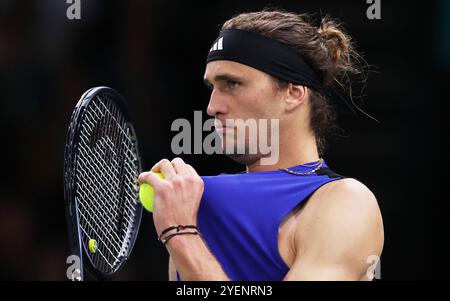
pixel 153 53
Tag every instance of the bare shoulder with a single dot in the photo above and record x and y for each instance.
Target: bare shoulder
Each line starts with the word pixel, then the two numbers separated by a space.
pixel 336 232
pixel 343 212
pixel 345 194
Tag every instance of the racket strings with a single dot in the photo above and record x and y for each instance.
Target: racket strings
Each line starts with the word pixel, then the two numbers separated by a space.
pixel 106 173
pixel 95 205
pixel 105 217
pixel 95 158
pixel 105 168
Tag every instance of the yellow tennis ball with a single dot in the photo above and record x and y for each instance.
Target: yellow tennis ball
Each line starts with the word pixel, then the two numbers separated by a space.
pixel 146 194
pixel 93 245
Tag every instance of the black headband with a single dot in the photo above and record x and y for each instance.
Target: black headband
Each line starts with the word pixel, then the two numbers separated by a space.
pixel 265 54
pixel 274 58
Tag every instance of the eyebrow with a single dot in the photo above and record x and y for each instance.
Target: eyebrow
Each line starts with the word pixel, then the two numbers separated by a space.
pixel 223 77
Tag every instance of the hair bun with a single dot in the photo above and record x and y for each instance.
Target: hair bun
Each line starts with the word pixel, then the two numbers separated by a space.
pixel 337 43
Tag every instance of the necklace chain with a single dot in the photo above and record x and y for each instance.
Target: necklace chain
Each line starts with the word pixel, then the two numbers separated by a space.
pixel 317 166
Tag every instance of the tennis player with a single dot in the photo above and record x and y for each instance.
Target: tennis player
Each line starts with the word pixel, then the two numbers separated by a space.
pixel 292 220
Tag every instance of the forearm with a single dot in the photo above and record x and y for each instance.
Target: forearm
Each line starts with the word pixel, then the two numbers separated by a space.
pixel 193 260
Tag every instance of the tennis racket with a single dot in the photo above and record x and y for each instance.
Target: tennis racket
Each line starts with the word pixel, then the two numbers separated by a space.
pixel 101 191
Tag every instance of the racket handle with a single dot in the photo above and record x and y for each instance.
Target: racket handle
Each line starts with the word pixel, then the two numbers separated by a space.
pixel 146 194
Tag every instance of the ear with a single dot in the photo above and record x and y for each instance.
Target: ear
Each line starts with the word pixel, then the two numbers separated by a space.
pixel 296 96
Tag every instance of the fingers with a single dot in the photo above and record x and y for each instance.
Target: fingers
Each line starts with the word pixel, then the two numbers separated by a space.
pixel 167 169
pixel 171 169
pixel 191 170
pixel 150 178
pixel 180 167
pixel 164 166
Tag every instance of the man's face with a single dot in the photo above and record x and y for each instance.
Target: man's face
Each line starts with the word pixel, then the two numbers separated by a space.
pixel 240 92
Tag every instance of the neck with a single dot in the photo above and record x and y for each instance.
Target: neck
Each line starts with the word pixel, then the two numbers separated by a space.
pixel 292 152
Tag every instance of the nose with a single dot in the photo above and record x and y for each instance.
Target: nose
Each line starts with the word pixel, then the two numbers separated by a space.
pixel 217 104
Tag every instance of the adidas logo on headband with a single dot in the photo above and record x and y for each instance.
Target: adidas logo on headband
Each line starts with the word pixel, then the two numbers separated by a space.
pixel 217 45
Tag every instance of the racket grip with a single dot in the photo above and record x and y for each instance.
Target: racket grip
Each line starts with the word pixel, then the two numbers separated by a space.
pixel 147 193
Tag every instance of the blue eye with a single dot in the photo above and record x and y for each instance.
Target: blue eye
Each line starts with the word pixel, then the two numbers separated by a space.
pixel 233 84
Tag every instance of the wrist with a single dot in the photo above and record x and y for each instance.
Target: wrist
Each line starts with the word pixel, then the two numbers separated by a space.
pixel 175 227
pixel 180 230
pixel 182 242
pixel 164 240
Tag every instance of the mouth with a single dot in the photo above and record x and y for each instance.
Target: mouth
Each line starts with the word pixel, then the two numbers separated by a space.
pixel 224 127
pixel 219 126
pixel 221 130
pixel 226 132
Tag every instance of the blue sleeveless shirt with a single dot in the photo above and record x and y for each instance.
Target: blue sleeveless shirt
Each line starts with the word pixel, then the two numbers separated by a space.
pixel 240 215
